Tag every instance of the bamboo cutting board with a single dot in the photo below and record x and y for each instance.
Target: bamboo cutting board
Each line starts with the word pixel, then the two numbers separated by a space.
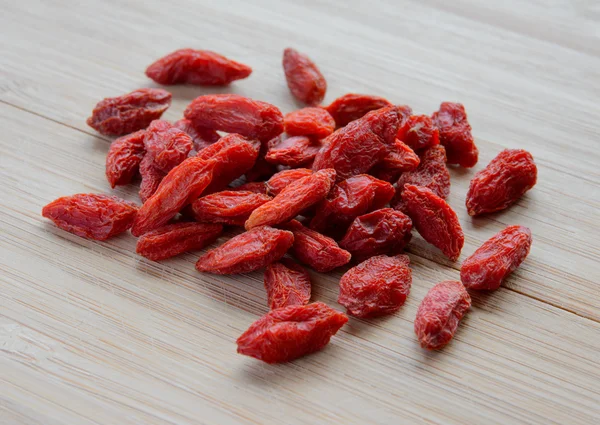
pixel 91 333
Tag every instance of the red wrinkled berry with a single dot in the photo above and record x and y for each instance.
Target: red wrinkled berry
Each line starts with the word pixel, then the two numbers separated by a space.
pixel 294 151
pixel 284 178
pixel 313 121
pixel 90 215
pixel 434 219
pixel 439 314
pixel 199 67
pixel 304 79
pixel 201 137
pixel 496 258
pixel 287 283
pixel 499 185
pixel 116 116
pixel 124 157
pixel 174 239
pixel 385 231
pixel 353 106
pixel 249 251
pixel 400 159
pixel 166 145
pixel 455 134
pixel 287 333
pixel 292 200
pixel 376 287
pixel 229 207
pixel 419 132
pixel 233 113
pixel 151 178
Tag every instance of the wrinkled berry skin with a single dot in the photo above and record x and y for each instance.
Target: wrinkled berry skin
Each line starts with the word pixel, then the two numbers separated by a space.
pixel 376 287
pixel 249 251
pixel 292 200
pixel 419 132
pixel 313 121
pixel 356 148
pixel 284 178
pixel 455 134
pixel 400 159
pixel 353 106
pixel 439 314
pixel 304 79
pixel 167 145
pixel 496 258
pixel 201 137
pixel 287 333
pixel 198 67
pixel 228 207
pixel 431 173
pixel 294 151
pixel 233 113
pixel 434 219
pixel 254 187
pixel 116 116
pixel 151 178
pixel 499 185
pixel 174 239
pixel 316 250
pixel 90 215
pixel 124 157
pixel 287 283
pixel 385 231
pixel 347 200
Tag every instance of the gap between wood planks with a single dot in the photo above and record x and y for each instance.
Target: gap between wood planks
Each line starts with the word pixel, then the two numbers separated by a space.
pixel 410 251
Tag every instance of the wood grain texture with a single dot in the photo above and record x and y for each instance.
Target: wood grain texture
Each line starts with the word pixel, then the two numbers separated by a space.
pixel 92 333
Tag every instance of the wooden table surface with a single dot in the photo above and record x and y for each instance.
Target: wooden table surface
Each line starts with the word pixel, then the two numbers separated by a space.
pixel 91 333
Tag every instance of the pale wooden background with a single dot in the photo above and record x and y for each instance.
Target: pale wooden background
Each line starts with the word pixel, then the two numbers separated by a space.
pixel 90 333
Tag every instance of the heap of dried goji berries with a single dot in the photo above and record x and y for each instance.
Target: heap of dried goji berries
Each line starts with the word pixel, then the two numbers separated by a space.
pixel 320 186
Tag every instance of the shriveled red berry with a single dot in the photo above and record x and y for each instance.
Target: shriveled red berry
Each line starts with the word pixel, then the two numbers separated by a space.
pixel 385 231
pixel 496 258
pixel 116 116
pixel 294 151
pixel 91 215
pixel 313 121
pixel 419 132
pixel 201 137
pixel 124 157
pixel 229 207
pixel 400 159
pixel 151 178
pixel 287 333
pixel 499 185
pixel 353 106
pixel 233 113
pixel 249 251
pixel 284 178
pixel 174 239
pixel 199 67
pixel 439 314
pixel 455 134
pixel 304 79
pixel 166 145
pixel 287 283
pixel 434 219
pixel 377 286
pixel 292 200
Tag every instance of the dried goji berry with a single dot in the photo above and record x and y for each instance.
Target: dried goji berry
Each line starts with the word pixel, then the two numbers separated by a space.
pixel 249 251
pixel 233 113
pixel 292 200
pixel 316 250
pixel 400 159
pixel 200 67
pixel 499 185
pixel 347 200
pixel 431 173
pixel 116 116
pixel 90 215
pixel 186 182
pixel 376 287
pixel 353 106
pixel 201 137
pixel 290 332
pixel 356 148
pixel 440 312
pixel 294 151
pixel 254 187
pixel 283 178
pixel 287 283
pixel 124 157
pixel 434 219
pixel 385 231
pixel 313 121
pixel 166 145
pixel 304 79
pixel 229 207
pixel 496 258
pixel 151 178
pixel 419 132
pixel 174 239
pixel 455 134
